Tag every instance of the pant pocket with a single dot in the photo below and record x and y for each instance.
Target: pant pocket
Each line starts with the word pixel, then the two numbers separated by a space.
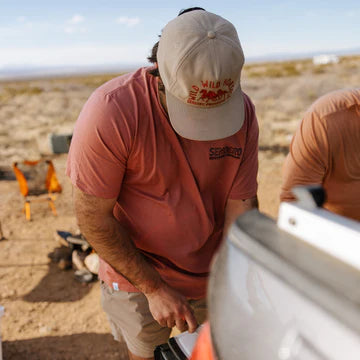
pixel 105 288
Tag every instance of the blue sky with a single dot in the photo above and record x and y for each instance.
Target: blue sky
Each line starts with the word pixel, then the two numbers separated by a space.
pixel 104 32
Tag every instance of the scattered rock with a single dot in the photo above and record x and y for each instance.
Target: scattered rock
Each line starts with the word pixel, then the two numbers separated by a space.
pixel 84 276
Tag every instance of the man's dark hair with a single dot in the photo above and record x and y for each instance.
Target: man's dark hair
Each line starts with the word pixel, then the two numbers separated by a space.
pixel 184 11
pixel 152 58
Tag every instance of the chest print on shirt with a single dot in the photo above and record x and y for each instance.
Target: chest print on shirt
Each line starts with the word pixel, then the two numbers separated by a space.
pixel 216 153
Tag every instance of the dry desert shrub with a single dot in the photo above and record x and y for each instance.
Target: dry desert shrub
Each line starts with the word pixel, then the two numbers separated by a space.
pixel 282 101
pixel 8 92
pixel 350 59
pixel 273 70
pixel 91 81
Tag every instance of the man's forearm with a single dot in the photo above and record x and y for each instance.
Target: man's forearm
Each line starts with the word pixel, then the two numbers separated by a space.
pixel 111 241
pixel 114 245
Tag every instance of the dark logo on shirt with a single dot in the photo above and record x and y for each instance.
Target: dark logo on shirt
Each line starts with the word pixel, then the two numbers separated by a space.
pixel 220 152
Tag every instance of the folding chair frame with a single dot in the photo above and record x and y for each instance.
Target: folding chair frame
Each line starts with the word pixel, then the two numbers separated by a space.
pixel 51 184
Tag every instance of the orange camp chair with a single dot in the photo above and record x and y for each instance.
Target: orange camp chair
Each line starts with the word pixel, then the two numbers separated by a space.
pixel 38 182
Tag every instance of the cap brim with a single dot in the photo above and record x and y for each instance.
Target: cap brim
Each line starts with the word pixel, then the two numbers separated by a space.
pixel 214 123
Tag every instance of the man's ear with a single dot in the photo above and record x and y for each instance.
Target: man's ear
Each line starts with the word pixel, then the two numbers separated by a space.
pixel 158 73
pixel 161 84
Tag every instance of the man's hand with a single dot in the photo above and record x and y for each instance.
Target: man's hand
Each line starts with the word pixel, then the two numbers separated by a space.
pixel 169 308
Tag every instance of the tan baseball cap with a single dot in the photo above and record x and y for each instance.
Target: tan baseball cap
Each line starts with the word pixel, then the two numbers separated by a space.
pixel 200 60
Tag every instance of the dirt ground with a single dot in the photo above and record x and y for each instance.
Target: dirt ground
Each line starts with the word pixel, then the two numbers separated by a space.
pixel 48 314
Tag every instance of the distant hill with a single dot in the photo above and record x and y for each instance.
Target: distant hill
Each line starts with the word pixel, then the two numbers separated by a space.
pixel 33 72
pixel 297 56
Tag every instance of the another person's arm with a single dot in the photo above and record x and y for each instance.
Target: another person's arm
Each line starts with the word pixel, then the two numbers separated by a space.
pixel 306 163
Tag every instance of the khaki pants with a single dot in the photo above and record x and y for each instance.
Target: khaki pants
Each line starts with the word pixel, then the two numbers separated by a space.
pixel 130 319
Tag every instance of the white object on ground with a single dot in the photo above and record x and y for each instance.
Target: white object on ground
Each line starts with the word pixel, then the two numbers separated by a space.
pixel 92 263
pixel 325 59
pixel 77 261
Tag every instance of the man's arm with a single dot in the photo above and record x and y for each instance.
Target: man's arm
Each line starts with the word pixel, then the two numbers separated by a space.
pixel 306 163
pixel 234 208
pixel 113 244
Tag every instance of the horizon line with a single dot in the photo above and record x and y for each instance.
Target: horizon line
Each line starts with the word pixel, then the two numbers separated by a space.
pixel 24 72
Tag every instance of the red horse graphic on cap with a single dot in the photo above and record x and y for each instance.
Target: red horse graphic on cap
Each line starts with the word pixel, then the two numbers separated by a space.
pixel 207 95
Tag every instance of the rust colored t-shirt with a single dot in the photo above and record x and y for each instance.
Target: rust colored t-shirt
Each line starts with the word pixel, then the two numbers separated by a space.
pixel 326 150
pixel 171 192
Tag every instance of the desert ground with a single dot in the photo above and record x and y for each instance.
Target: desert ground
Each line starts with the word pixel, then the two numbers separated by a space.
pixel 48 314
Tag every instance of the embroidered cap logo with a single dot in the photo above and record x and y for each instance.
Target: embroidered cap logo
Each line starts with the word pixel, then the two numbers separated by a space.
pixel 210 93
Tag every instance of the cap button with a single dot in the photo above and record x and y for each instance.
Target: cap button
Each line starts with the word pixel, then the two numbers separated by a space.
pixel 211 34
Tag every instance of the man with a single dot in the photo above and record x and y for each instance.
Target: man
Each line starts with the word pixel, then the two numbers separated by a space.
pixel 160 166
pixel 326 150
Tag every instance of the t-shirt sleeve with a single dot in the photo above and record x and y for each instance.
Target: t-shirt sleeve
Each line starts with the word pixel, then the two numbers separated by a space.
pixel 99 148
pixel 307 160
pixel 245 184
